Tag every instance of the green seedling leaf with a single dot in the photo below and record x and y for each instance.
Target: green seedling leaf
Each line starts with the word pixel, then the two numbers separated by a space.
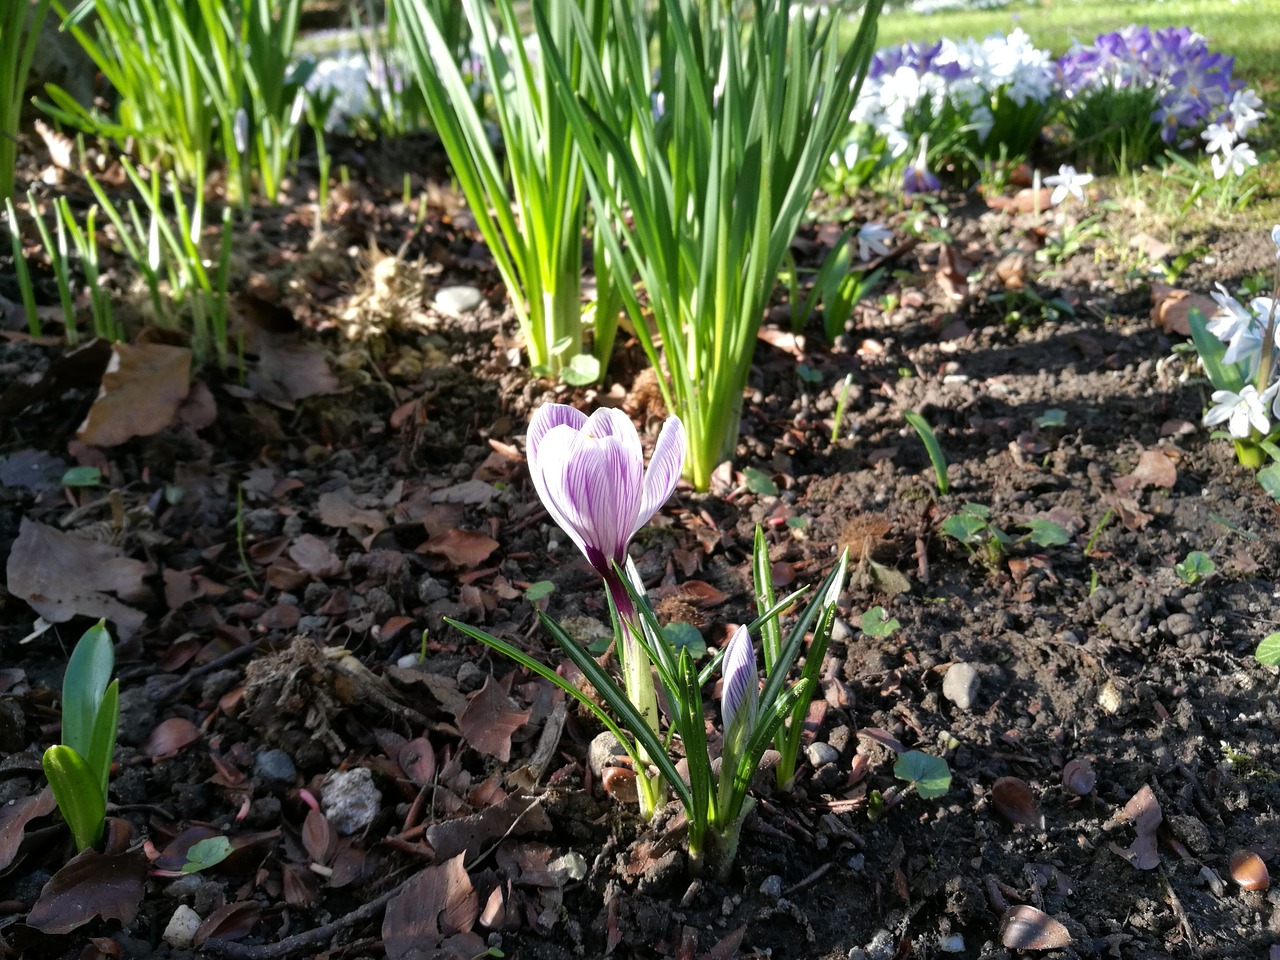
pixel 1269 477
pixel 599 645
pixel 797 523
pixel 1196 566
pixel 536 591
pixel 685 636
pixel 84 686
pixel 582 370
pixel 759 482
pixel 932 447
pixel 82 477
pixel 976 510
pixel 1046 533
pixel 1268 652
pixel 808 374
pixel 75 787
pixel 964 527
pixel 207 853
pixel 1052 417
pixel 877 623
pixel 930 775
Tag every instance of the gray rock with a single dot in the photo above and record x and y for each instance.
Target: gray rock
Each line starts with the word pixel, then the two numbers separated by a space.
pixel 772 886
pixel 960 685
pixel 951 944
pixel 312 626
pixel 841 631
pixel 351 801
pixel 470 677
pixel 602 751
pixel 1181 624
pixel 275 767
pixel 458 301
pixel 821 753
pixel 430 589
pixel 262 522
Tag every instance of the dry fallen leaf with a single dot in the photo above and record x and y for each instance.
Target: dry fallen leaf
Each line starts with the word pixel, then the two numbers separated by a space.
pixel 289 370
pixel 489 720
pixel 14 817
pixel 62 576
pixel 142 388
pixel 337 509
pixel 1078 777
pixel 1026 928
pixel 169 737
pixel 462 548
pixel 1143 811
pixel 1014 801
pixel 437 903
pixel 1156 468
pixel 90 885
pixel 1024 201
pixel 1171 308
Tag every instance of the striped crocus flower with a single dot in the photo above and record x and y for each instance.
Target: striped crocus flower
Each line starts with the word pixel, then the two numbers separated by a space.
pixel 590 474
pixel 740 689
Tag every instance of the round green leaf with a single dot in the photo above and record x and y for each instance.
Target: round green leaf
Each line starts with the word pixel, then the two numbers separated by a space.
pixel 877 623
pixel 536 591
pixel 207 853
pixel 931 775
pixel 759 482
pixel 685 636
pixel 1269 651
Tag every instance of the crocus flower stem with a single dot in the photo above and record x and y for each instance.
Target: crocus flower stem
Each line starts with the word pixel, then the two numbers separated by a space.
pixel 1269 339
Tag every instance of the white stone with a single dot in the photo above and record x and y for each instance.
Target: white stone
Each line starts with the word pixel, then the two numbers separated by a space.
pixel 820 753
pixel 960 685
pixel 458 301
pixel 180 932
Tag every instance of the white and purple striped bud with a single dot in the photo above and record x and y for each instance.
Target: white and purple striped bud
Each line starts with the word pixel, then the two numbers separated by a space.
pixel 741 686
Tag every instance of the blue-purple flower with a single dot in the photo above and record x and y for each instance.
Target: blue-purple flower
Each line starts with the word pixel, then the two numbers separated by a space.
pixel 917 177
pixel 590 474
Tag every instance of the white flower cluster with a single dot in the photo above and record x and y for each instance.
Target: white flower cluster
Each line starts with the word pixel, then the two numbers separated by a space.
pixel 908 87
pixel 1244 329
pixel 1225 141
pixel 346 76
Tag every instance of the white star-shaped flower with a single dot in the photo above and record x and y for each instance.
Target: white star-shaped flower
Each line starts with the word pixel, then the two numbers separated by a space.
pixel 1236 160
pixel 1241 411
pixel 1067 181
pixel 873 238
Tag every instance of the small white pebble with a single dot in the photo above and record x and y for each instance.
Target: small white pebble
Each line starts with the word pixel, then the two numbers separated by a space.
pixel 180 932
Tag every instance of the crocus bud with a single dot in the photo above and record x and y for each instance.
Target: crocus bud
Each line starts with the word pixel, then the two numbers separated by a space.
pixel 741 691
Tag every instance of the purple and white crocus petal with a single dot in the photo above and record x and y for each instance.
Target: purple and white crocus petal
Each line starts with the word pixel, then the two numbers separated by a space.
pixel 740 683
pixel 589 473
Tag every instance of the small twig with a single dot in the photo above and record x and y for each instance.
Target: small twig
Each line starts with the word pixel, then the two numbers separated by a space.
pixel 493 846
pixel 306 939
pixel 811 879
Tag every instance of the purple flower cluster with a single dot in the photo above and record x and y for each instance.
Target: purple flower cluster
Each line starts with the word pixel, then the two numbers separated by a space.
pixel 1190 84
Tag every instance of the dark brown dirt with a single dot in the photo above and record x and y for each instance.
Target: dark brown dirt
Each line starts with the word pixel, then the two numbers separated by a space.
pixel 1094 649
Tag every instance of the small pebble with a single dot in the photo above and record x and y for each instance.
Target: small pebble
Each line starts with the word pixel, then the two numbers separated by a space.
pixel 604 748
pixel 960 685
pixel 458 301
pixel 351 801
pixel 952 944
pixel 275 767
pixel 180 932
pixel 571 866
pixel 772 886
pixel 470 677
pixel 821 753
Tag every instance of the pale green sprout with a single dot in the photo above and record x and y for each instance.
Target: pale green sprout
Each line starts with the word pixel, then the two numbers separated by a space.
pixel 702 200
pixel 531 210
pixel 20 24
pixel 79 768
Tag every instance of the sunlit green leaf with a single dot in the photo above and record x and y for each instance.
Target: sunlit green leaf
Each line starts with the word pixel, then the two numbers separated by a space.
pixel 759 482
pixel 930 775
pixel 1269 650
pixel 207 853
pixel 877 623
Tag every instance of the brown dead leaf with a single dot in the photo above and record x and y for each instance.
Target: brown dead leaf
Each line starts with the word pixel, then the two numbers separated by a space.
pixel 489 721
pixel 1024 201
pixel 62 576
pixel 15 816
pixel 90 885
pixel 315 557
pixel 1143 811
pixel 169 737
pixel 142 388
pixel 336 508
pixel 436 904
pixel 517 815
pixel 417 758
pixel 953 272
pixel 1171 308
pixel 318 838
pixel 231 921
pixel 1026 928
pixel 462 548
pixel 289 370
pixel 1014 801
pixel 1155 468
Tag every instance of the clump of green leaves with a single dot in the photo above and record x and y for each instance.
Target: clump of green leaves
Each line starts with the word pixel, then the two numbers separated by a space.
pixel 78 768
pixel 1195 567
pixel 971 526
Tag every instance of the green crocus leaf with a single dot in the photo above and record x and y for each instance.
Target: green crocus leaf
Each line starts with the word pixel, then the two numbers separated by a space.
pixel 75 787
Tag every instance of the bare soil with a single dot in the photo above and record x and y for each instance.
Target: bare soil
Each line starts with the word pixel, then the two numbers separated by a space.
pixel 297 548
